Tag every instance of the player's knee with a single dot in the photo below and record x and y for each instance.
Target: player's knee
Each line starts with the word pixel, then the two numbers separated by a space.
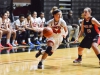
pixel 49 50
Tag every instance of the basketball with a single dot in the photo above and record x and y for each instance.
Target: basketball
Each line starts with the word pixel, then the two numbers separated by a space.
pixel 47 32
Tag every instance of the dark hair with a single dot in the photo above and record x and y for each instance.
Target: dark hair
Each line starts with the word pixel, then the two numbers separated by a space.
pixel 28 14
pixel 70 11
pixel 34 12
pixel 56 11
pixel 41 13
pixel 2 13
pixel 21 15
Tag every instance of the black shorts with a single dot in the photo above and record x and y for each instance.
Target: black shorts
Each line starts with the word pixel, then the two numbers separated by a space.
pixel 86 42
pixel 97 39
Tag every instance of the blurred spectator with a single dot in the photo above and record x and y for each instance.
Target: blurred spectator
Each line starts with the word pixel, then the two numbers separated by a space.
pixel 71 26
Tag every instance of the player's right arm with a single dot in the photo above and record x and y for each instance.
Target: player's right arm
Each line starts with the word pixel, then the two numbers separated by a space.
pixel 81 31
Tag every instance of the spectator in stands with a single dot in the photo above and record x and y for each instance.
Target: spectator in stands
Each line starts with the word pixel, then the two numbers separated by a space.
pixel 35 23
pixel 4 29
pixel 41 20
pixel 20 26
pixel 28 24
pixel 71 26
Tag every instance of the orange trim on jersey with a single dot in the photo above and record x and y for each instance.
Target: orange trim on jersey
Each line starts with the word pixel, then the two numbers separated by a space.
pixel 97 29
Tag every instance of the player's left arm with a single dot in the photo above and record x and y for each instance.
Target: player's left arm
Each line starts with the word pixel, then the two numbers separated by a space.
pixel 95 22
pixel 97 25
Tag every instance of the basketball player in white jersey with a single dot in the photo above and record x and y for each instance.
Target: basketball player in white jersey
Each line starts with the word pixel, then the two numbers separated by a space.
pixel 20 26
pixel 58 25
pixel 28 27
pixel 13 31
pixel 4 27
pixel 41 21
pixel 35 24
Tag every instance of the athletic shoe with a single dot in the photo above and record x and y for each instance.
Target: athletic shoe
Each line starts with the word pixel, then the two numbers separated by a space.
pixel 1 46
pixel 38 43
pixel 14 45
pixel 39 53
pixel 23 43
pixel 31 44
pixel 77 61
pixel 9 45
pixel 40 65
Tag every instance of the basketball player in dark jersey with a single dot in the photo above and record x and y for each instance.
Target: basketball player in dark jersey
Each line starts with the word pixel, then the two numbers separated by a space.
pixel 91 35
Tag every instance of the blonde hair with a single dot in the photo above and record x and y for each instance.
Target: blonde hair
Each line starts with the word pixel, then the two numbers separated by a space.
pixel 89 9
pixel 53 9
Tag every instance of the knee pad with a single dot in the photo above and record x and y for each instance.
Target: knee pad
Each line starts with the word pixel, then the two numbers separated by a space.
pixel 48 50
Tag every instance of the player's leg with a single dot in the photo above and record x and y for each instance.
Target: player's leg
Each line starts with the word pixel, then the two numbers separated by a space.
pixel 47 53
pixel 13 32
pixel 95 44
pixel 29 39
pixel 1 38
pixel 23 37
pixel 8 34
pixel 80 52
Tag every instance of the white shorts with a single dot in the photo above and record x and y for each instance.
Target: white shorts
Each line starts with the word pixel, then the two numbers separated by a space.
pixel 56 41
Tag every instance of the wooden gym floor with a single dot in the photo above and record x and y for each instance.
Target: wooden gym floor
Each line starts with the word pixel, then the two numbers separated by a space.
pixel 22 61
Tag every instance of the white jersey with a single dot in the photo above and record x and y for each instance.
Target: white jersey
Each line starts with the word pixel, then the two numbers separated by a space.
pixel 41 21
pixel 27 23
pixel 57 27
pixel 20 24
pixel 35 22
pixel 4 24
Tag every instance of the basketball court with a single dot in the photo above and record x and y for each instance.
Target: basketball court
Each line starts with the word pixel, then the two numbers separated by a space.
pixel 21 61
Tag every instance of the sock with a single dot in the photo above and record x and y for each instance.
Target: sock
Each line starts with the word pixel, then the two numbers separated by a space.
pixel 23 41
pixel 29 40
pixel 42 60
pixel 36 38
pixel 98 56
pixel 8 41
pixel 79 56
pixel 43 51
pixel 13 41
pixel 40 38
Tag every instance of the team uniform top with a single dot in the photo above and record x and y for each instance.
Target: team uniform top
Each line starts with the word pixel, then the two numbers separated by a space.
pixel 41 21
pixel 34 22
pixel 57 27
pixel 20 24
pixel 27 23
pixel 90 34
pixel 89 29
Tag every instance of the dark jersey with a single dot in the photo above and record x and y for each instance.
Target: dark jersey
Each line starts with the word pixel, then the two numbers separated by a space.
pixel 89 29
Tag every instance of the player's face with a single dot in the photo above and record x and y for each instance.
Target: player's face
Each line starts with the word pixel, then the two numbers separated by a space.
pixel 86 13
pixel 5 16
pixel 29 17
pixel 42 15
pixel 34 14
pixel 57 16
pixel 22 18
